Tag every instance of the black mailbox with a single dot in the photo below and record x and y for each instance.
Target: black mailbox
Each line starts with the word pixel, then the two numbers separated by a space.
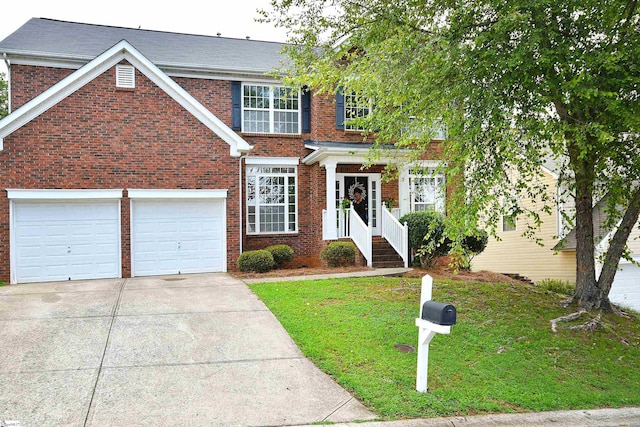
pixel 439 313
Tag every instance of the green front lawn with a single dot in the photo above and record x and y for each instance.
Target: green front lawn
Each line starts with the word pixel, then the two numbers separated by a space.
pixel 501 356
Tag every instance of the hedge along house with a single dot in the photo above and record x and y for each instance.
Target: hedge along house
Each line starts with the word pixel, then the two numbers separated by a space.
pixel 131 152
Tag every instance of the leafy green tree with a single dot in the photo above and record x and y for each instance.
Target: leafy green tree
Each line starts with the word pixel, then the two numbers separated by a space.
pixel 515 83
pixel 4 96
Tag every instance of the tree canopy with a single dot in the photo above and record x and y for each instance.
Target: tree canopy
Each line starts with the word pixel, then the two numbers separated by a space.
pixel 4 96
pixel 516 84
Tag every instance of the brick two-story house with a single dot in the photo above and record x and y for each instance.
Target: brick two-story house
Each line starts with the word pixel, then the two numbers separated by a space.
pixel 131 152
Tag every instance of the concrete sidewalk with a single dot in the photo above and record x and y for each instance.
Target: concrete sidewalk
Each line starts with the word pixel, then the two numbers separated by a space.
pixel 628 417
pixel 364 273
pixel 181 350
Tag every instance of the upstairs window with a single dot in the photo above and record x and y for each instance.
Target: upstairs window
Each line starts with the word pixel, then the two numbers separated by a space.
pixel 427 190
pixel 355 108
pixel 270 109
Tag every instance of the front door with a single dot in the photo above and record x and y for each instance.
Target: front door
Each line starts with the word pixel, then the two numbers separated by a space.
pixel 364 188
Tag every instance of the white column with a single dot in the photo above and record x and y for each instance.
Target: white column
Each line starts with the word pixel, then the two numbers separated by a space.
pixel 332 218
pixel 404 201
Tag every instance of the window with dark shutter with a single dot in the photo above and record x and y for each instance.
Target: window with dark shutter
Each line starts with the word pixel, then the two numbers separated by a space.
pixel 236 105
pixel 340 109
pixel 306 110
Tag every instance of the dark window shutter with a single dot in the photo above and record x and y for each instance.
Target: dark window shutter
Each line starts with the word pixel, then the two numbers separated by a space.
pixel 340 109
pixel 306 110
pixel 236 105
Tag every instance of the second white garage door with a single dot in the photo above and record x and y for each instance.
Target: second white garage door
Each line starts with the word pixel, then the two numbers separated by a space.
pixel 178 236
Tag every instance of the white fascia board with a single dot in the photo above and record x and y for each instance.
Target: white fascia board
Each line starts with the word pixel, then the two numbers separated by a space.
pixel 20 194
pixel 272 161
pixel 339 155
pixel 549 172
pixel 122 50
pixel 176 194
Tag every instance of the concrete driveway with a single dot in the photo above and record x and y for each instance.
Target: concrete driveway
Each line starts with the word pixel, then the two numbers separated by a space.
pixel 172 350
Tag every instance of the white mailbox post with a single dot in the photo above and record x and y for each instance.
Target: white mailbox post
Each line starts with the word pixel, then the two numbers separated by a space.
pixel 427 331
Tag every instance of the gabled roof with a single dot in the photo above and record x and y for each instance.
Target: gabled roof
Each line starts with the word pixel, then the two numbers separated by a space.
pixel 71 42
pixel 569 242
pixel 354 152
pixel 112 56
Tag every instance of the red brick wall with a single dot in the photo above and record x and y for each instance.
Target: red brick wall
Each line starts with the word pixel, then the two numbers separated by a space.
pixel 27 82
pixel 323 122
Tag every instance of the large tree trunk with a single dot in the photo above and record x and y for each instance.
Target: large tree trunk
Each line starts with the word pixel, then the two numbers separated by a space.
pixel 586 293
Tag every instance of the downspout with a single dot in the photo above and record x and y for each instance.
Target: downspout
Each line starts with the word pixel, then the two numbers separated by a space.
pixel 240 193
pixel 8 64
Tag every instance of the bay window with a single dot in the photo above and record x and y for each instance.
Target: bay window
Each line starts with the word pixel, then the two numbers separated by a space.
pixel 272 200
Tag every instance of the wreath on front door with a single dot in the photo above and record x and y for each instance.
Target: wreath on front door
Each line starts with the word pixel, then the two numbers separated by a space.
pixel 361 187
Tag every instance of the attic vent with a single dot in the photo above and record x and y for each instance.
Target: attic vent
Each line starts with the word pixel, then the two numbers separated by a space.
pixel 125 76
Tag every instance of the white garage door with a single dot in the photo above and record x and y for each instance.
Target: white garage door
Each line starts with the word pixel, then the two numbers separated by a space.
pixel 65 240
pixel 625 289
pixel 178 236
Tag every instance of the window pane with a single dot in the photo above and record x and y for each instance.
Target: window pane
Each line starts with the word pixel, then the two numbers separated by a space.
pixel 256 97
pixel 272 218
pixel 285 122
pixel 256 121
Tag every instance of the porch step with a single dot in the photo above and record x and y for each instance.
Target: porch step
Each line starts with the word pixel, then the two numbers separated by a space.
pixel 384 256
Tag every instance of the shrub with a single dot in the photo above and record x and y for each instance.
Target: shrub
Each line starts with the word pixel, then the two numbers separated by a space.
pixel 473 245
pixel 426 236
pixel 339 253
pixel 258 261
pixel 556 285
pixel 281 254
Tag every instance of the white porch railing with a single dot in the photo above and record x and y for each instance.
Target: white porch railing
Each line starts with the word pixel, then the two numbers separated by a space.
pixel 342 226
pixel 396 234
pixel 362 235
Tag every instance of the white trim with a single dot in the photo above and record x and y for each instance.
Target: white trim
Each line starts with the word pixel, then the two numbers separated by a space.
pixel 177 194
pixel 550 172
pixel 355 154
pixel 18 194
pixel 122 51
pixel 272 161
pixel 13 277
